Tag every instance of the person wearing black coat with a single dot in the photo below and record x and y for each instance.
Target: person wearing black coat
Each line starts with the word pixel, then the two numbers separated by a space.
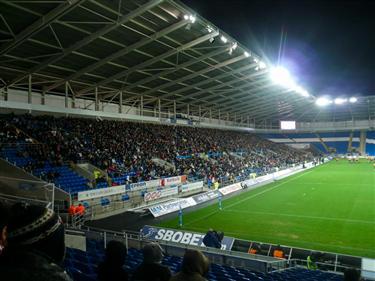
pixel 151 268
pixel 111 269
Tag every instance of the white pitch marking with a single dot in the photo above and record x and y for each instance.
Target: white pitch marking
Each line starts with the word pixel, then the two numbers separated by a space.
pixel 247 198
pixel 303 216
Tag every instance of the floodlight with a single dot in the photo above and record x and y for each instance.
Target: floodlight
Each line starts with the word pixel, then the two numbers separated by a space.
pixel 192 18
pixel 186 17
pixel 340 100
pixel 209 29
pixel 230 51
pixel 234 46
pixel 224 39
pixel 246 54
pixel 262 65
pixel 281 76
pixel 353 100
pixel 323 101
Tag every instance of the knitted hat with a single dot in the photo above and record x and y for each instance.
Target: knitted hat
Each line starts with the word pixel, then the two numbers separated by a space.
pixel 152 253
pixel 36 228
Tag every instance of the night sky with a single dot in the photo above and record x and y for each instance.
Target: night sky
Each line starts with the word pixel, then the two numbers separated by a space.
pixel 329 45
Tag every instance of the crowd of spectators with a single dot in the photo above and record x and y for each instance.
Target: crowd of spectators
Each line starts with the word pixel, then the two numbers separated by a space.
pixel 128 148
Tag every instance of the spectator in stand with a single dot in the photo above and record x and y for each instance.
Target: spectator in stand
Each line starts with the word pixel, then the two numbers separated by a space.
pixel 80 210
pixel 352 274
pixel 151 268
pixel 72 210
pixel 278 252
pixel 254 249
pixel 111 269
pixel 35 245
pixel 213 239
pixel 205 154
pixel 194 267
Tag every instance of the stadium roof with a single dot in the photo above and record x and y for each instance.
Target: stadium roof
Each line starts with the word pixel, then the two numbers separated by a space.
pixel 157 50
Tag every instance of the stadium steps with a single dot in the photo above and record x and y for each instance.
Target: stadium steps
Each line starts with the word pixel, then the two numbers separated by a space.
pixel 323 144
pixel 68 180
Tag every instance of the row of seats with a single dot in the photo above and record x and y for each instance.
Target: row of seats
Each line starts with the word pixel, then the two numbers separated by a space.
pixel 10 153
pixel 67 179
pixel 82 266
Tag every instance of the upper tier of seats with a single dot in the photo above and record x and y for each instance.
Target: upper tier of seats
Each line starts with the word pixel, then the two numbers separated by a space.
pixel 339 141
pixel 82 266
pixel 126 150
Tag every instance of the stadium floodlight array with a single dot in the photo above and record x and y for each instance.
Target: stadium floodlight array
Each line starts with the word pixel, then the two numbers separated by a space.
pixel 223 39
pixel 191 18
pixel 281 76
pixel 324 101
pixel 233 45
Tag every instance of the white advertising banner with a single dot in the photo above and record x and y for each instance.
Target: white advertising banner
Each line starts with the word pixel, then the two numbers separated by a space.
pixel 100 192
pixel 137 186
pixel 170 181
pixel 153 195
pixel 230 188
pixel 170 207
pixel 152 183
pixel 191 186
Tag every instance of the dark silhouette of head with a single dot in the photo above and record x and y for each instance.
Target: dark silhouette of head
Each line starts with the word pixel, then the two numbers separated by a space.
pixel 115 253
pixel 352 274
pixel 195 262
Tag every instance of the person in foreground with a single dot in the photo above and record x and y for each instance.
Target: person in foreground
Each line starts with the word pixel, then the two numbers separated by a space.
pixel 151 268
pixel 194 267
pixel 4 217
pixel 35 245
pixel 111 268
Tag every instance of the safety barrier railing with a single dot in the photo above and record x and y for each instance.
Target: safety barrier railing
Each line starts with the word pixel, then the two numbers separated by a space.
pixel 231 258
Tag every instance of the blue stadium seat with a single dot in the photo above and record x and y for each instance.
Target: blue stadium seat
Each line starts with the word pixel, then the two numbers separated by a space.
pixel 82 266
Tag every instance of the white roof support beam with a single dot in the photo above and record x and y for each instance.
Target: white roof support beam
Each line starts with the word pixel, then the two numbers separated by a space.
pixel 76 46
pixel 121 53
pixel 40 24
pixel 191 76
pixel 221 76
pixel 241 92
pixel 178 67
pixel 150 61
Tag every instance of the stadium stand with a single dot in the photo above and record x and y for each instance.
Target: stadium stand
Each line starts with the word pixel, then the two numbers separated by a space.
pixel 199 153
pixel 370 143
pixel 83 266
pixel 193 102
pixel 335 142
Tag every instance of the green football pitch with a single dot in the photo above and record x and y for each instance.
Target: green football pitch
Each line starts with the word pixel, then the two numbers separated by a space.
pixel 328 208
